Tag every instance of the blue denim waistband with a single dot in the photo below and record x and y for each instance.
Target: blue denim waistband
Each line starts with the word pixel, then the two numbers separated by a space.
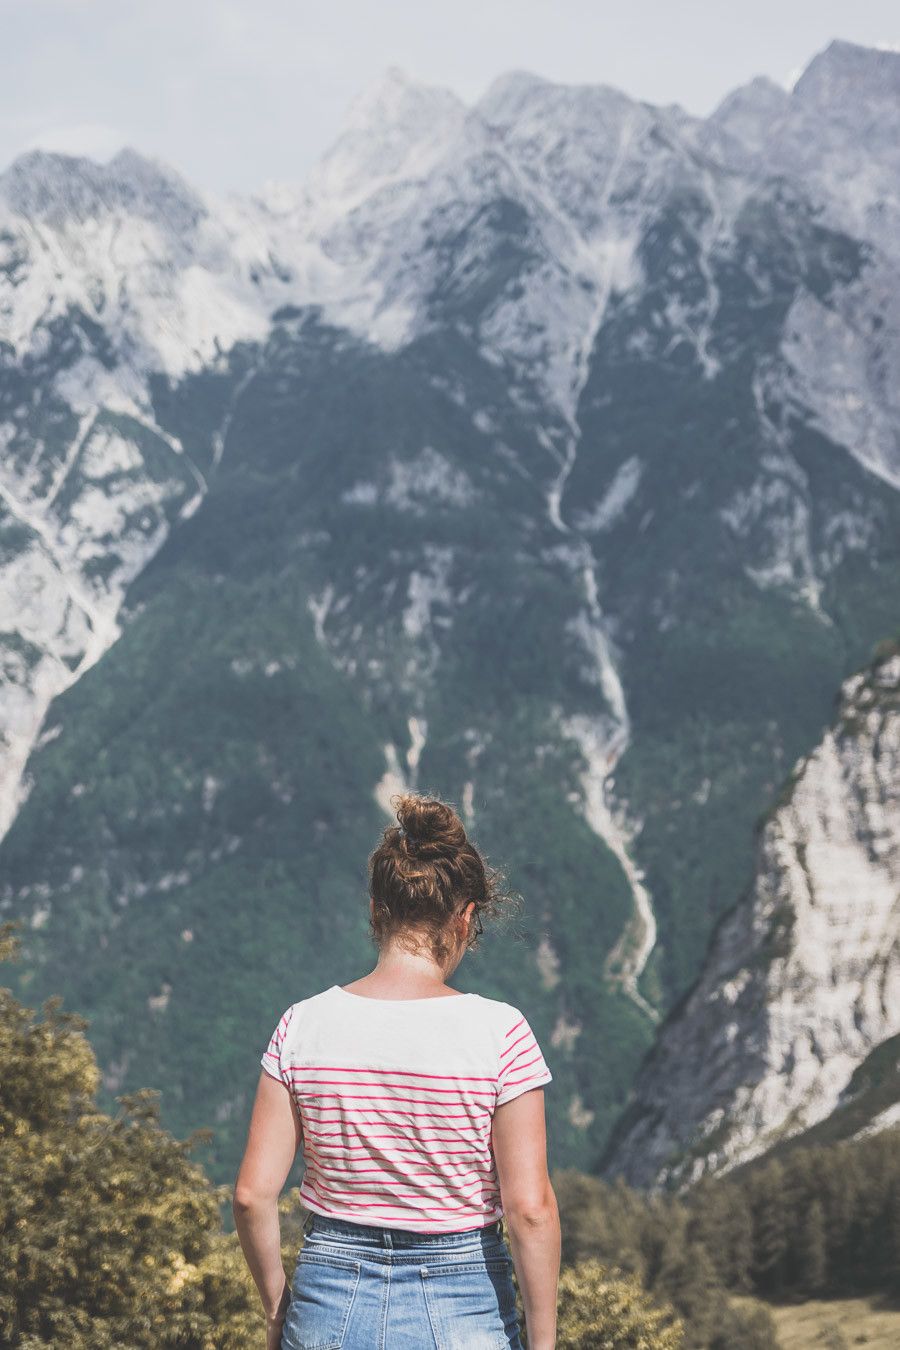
pixel 378 1236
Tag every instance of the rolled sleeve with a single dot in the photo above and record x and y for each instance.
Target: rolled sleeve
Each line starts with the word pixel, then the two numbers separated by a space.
pixel 273 1058
pixel 522 1065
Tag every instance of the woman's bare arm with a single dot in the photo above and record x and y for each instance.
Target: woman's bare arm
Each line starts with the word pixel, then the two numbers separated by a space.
pixel 519 1140
pixel 272 1142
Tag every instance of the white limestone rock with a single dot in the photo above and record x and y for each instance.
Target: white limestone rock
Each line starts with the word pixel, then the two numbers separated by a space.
pixel 802 978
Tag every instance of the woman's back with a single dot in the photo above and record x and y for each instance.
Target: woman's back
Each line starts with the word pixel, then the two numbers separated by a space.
pixel 396 1099
pixel 411 1105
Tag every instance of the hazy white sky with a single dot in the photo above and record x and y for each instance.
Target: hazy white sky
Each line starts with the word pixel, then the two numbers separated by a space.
pixel 237 92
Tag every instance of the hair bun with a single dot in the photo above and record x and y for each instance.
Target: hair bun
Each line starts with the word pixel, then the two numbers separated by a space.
pixel 433 829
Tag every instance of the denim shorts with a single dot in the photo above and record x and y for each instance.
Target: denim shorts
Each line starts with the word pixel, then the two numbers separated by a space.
pixel 358 1287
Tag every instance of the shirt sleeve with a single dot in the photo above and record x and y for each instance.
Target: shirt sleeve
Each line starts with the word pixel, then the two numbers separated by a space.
pixel 522 1066
pixel 273 1060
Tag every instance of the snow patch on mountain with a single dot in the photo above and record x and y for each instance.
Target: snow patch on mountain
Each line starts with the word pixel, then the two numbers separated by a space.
pixel 600 748
pixel 884 1120
pixel 401 776
pixel 615 499
pixel 417 484
pixel 89 529
pixel 772 521
pixel 428 589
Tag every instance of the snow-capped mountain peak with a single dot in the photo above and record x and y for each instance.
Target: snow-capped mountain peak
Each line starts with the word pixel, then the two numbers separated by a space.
pixel 63 190
pixel 749 112
pixel 526 107
pixel 510 91
pixel 847 75
pixel 394 97
pixel 395 130
pixel 836 136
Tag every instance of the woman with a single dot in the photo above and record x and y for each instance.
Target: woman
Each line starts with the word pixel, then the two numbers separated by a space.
pixel 421 1115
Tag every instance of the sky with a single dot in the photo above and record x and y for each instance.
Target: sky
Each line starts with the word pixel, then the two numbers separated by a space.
pixel 238 93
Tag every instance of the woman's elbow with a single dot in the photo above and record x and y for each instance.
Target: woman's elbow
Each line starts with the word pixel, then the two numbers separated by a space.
pixel 246 1198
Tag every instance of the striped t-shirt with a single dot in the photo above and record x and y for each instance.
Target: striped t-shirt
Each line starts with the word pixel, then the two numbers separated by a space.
pixel 396 1097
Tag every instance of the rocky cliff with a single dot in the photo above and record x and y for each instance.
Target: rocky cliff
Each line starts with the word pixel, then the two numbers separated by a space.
pixel 802 979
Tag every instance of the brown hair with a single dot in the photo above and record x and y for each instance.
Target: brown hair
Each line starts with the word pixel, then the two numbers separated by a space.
pixel 424 871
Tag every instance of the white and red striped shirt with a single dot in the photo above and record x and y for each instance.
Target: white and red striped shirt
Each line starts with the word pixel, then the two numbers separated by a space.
pixel 396 1098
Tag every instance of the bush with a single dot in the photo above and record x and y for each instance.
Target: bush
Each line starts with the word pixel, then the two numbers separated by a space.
pixel 604 1310
pixel 111 1236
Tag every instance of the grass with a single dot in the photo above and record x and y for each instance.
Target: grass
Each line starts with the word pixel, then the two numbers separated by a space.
pixel 833 1324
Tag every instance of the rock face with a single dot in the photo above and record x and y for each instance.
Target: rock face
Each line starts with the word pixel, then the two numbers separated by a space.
pixel 848 96
pixel 802 979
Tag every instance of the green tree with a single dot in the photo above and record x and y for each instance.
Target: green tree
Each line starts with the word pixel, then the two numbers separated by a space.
pixel 771 1245
pixel 812 1249
pixel 891 1256
pixel 722 1222
pixel 111 1235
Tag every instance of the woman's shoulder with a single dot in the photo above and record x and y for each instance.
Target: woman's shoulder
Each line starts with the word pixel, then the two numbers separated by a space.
pixel 292 1013
pixel 499 1011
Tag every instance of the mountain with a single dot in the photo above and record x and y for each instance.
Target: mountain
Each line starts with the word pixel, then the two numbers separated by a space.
pixel 541 452
pixel 847 99
pixel 801 985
